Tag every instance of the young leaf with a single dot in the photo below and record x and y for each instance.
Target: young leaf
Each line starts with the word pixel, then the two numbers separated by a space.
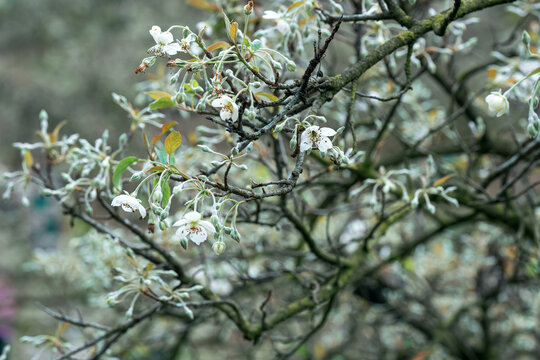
pixel 172 142
pixel 232 31
pixel 158 94
pixel 204 5
pixel 120 168
pixel 54 135
pixel 442 180
pixel 157 169
pixel 167 126
pixel 270 97
pixel 28 159
pixel 161 153
pixel 161 103
pixel 295 4
pixel 218 45
pixel 534 72
pixel 166 190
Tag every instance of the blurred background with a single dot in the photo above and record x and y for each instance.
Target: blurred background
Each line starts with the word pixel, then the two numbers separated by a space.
pixel 65 56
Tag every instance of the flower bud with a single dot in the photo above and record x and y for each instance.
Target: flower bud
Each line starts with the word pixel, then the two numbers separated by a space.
pixel 205 148
pixel 235 235
pixel 277 65
pixel 291 65
pixel 158 194
pixel 214 219
pixel 497 103
pixel 163 225
pixel 137 176
pixel 180 98
pixel 532 130
pixel 201 106
pixel 250 114
pixel 279 127
pixel 256 84
pixel 184 243
pixel 526 38
pixel 219 247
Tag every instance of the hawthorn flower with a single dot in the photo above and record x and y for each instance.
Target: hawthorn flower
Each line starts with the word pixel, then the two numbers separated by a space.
pixel 314 135
pixel 164 42
pixel 129 204
pixel 281 25
pixel 497 102
pixel 229 109
pixel 192 225
pixel 185 43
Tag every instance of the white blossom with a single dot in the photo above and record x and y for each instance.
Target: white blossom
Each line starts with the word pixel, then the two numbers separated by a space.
pixel 192 225
pixel 129 204
pixel 281 25
pixel 497 103
pixel 229 109
pixel 317 136
pixel 164 42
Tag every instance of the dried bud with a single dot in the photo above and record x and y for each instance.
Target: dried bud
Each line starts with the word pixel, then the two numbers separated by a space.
pixel 248 9
pixel 141 68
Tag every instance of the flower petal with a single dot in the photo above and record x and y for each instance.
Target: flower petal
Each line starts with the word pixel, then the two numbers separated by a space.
pixel 119 200
pixel 207 225
pixel 127 208
pixel 234 115
pixel 166 37
pixel 271 15
pixel 172 49
pixel 306 145
pixel 155 31
pixel 324 144
pixel 181 222
pixel 198 235
pixel 182 232
pixel 225 113
pixel 192 216
pixel 326 131
pixel 219 103
pixel 142 211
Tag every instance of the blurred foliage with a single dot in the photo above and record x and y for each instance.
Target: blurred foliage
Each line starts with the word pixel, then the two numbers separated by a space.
pixel 61 55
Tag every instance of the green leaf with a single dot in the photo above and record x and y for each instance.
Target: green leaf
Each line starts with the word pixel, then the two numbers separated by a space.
pixel 172 142
pixel 166 191
pixel 120 168
pixel 161 103
pixel 161 153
